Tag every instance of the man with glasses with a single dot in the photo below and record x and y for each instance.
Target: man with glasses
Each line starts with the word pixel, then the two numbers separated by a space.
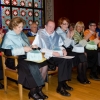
pixel 92 55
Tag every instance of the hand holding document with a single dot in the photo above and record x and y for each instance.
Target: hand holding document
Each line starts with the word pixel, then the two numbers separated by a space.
pixel 48 54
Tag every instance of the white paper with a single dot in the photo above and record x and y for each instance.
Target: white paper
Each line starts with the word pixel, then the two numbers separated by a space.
pixel 67 57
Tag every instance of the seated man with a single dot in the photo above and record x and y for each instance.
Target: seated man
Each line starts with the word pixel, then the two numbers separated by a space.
pixel 92 55
pixel 48 39
pixel 33 29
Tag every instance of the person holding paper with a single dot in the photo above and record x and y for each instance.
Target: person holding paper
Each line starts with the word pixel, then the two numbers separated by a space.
pixel 51 43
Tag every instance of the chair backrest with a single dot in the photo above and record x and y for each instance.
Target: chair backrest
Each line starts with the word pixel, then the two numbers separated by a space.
pixel 31 39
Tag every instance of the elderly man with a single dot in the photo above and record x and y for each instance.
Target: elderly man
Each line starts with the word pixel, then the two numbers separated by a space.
pixel 33 29
pixel 51 43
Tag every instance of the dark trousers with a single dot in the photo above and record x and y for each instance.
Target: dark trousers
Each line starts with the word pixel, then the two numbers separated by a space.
pixel 64 68
pixel 76 59
pixel 92 58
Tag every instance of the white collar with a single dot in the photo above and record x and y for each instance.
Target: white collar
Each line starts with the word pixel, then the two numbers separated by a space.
pixel 33 33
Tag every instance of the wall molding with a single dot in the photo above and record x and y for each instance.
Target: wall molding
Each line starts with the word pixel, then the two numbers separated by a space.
pixel 49 10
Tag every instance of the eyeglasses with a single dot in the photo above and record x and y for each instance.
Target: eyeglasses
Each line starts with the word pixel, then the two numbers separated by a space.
pixel 93 25
pixel 65 24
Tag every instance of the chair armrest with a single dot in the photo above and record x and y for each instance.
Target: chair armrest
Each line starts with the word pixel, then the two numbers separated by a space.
pixel 13 57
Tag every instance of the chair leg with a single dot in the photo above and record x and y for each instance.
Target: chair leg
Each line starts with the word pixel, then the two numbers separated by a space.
pixel 5 84
pixel 20 91
pixel 46 86
pixel 49 78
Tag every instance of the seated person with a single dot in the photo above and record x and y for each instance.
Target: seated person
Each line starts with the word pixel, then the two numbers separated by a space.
pixel 71 27
pixel 48 39
pixel 16 43
pixel 66 36
pixel 33 29
pixel 82 68
pixel 92 55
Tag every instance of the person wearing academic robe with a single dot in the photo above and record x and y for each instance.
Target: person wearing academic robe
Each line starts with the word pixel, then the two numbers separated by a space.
pixel 16 43
pixel 48 40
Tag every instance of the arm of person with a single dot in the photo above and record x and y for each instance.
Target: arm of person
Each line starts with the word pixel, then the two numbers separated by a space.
pixel 68 35
pixel 20 50
pixel 76 38
pixel 88 34
pixel 14 50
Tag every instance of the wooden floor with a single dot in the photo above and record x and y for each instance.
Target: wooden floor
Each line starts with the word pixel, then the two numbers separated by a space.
pixel 80 92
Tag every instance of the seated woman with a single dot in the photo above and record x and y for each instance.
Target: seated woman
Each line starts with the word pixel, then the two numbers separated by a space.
pixel 66 36
pixel 16 43
pixel 78 36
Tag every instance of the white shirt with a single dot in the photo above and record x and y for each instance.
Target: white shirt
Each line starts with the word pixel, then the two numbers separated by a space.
pixel 36 41
pixel 45 49
pixel 34 34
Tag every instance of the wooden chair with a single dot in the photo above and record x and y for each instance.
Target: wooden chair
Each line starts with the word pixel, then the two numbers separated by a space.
pixel 31 39
pixel 11 74
pixel 49 76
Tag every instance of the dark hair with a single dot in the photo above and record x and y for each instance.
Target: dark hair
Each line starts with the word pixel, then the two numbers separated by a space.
pixel 72 24
pixel 91 22
pixel 15 22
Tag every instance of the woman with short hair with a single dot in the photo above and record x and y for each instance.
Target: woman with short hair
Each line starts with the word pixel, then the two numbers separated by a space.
pixel 16 43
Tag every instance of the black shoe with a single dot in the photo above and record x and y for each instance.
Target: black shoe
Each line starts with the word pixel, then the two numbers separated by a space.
pixel 1 86
pixel 35 96
pixel 66 87
pixel 82 82
pixel 63 92
pixel 88 82
pixel 95 77
pixel 42 95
